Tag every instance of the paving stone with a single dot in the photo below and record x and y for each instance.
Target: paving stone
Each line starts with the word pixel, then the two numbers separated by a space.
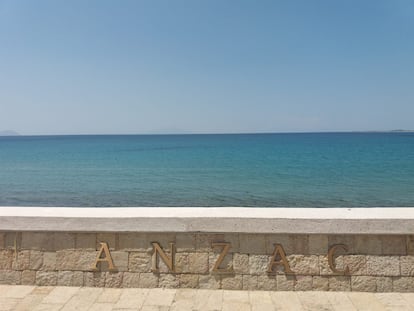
pixel 160 297
pixel 365 301
pixel 18 291
pixel 109 295
pixel 208 299
pixel 83 299
pixel 340 301
pixel 288 301
pixel 314 301
pixel 60 295
pixel 132 298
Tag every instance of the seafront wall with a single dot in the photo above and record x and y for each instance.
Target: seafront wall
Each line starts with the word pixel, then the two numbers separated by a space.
pixel 229 248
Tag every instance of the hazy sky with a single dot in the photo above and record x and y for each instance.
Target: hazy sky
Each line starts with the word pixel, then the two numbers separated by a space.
pixel 72 67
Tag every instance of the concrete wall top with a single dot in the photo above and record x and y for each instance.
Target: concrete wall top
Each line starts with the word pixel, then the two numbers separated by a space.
pixel 395 220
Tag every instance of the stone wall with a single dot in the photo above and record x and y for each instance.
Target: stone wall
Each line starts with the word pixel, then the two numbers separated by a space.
pixel 375 263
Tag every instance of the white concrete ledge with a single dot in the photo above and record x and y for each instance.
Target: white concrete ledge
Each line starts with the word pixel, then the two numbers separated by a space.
pixel 200 219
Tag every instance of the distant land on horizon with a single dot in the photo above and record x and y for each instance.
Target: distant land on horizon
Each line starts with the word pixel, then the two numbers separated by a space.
pixel 9 133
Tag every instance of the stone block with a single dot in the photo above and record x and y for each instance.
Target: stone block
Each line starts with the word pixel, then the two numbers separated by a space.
pixel 28 277
pixel 182 264
pixel 120 260
pixel 403 284
pixel 2 240
pixel 109 238
pixel 340 283
pixel 304 265
pixel 113 279
pixel 6 259
pixel 209 281
pixel 241 263
pixel 383 265
pixel 21 261
pixel 77 260
pixel 130 280
pixel 133 242
pixel 188 280
pixel 164 239
pixel 10 277
pixel 36 260
pixel 368 245
pixel 168 281
pixel 94 279
pixel 64 278
pixel 64 241
pixel 226 264
pixel 258 264
pixel 49 261
pixel 186 242
pixel 303 283
pixel 148 280
pixel 198 263
pixel 318 244
pixel 347 240
pixel 320 283
pixel 252 244
pixel 203 241
pixel 232 282
pixel 357 264
pixel 78 278
pixel 410 244
pixel 85 241
pixel 266 282
pixel 13 240
pixel 139 262
pixel 46 278
pixel 384 284
pixel 250 282
pixel 407 265
pixel 292 244
pixel 394 245
pixel 43 241
pixel 285 282
pixel 362 283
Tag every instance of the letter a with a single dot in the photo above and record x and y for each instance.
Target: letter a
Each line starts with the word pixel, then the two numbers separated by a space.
pixel 158 252
pixel 108 258
pixel 279 252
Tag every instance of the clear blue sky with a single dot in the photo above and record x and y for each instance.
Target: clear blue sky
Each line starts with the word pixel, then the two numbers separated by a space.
pixel 72 67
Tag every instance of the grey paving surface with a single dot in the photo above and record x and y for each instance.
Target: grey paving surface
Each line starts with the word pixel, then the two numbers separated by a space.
pixel 108 299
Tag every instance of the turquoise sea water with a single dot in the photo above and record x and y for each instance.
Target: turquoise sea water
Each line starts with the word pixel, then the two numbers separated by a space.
pixel 313 169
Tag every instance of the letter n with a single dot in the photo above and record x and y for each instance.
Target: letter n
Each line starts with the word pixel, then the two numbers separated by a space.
pixel 108 258
pixel 279 259
pixel 159 252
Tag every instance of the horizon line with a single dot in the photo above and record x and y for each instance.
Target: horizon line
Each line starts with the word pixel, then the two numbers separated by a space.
pixel 215 133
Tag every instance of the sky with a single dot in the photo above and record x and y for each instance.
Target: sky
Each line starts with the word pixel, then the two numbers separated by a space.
pixel 212 66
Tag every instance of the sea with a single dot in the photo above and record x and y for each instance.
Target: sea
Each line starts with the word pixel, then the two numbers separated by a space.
pixel 255 170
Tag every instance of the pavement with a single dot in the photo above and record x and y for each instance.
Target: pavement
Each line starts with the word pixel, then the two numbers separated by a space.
pixel 13 297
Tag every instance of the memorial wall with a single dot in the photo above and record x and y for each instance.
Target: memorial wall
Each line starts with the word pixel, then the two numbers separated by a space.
pixel 208 260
